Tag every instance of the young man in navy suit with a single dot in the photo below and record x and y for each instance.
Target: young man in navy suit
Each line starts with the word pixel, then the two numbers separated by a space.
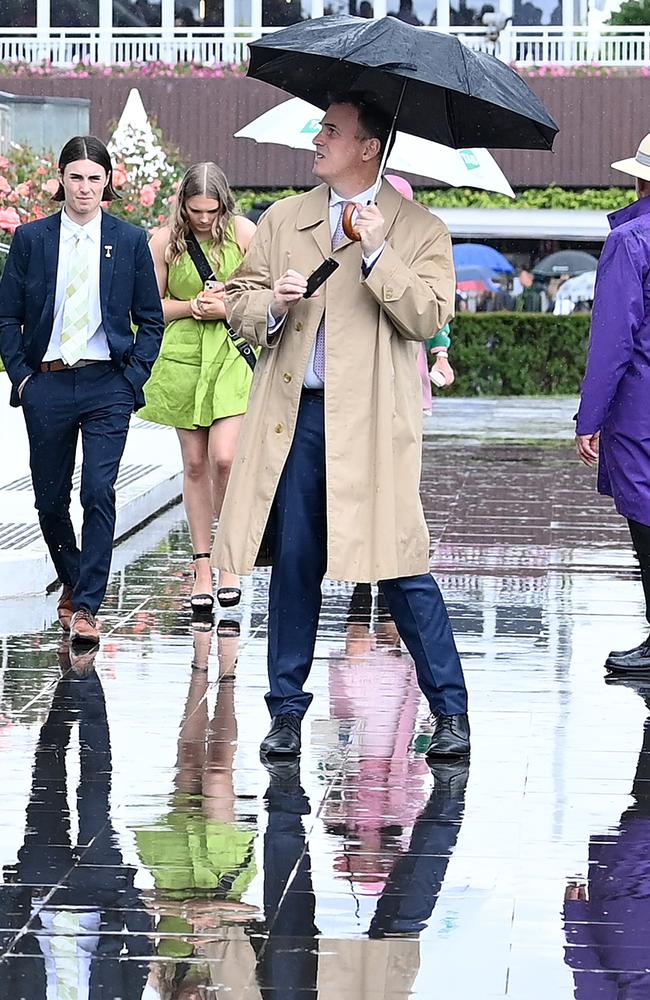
pixel 74 286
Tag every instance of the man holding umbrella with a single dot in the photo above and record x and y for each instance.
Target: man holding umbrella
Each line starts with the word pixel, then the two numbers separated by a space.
pixel 328 467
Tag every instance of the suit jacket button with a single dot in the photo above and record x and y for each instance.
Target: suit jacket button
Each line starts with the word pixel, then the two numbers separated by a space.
pixel 287 376
pixel 298 326
pixel 279 428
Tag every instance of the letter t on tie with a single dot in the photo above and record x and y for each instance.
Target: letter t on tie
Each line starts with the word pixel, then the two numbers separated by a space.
pixel 74 336
pixel 319 351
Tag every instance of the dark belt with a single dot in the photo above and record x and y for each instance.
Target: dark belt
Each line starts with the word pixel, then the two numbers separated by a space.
pixel 306 391
pixel 58 365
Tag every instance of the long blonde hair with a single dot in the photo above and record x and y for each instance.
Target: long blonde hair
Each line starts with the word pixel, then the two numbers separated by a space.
pixel 209 181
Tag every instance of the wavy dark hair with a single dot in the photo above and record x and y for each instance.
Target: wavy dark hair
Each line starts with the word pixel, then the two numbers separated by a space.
pixel 86 147
pixel 208 181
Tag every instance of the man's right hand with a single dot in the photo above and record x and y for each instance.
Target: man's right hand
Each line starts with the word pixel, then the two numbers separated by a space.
pixel 287 290
pixel 587 448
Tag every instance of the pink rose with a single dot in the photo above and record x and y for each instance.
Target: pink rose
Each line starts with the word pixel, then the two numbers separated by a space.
pixel 51 186
pixel 130 208
pixel 42 170
pixel 4 162
pixel 9 219
pixel 23 189
pixel 120 176
pixel 147 196
pixel 5 186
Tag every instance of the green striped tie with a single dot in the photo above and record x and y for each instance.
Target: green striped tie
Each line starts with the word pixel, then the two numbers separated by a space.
pixel 74 337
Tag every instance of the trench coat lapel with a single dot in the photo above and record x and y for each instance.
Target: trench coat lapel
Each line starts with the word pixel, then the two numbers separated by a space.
pixel 314 215
pixel 107 256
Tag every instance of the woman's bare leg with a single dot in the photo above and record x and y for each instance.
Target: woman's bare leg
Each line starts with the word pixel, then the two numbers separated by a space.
pixel 198 500
pixel 222 445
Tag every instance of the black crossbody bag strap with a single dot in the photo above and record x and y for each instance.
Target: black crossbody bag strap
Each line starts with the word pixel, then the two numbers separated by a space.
pixel 202 265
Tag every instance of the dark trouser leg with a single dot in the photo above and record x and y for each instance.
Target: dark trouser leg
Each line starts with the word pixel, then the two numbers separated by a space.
pixel 52 429
pixel 298 539
pixel 641 541
pixel 418 610
pixel 105 404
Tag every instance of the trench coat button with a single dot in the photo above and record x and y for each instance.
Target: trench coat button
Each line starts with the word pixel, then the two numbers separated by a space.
pixel 287 376
pixel 279 428
pixel 298 326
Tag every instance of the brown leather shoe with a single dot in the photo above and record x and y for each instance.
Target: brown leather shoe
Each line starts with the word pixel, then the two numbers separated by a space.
pixel 83 628
pixel 64 608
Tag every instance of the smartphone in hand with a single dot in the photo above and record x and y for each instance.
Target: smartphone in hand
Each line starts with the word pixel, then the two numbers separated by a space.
pixel 320 275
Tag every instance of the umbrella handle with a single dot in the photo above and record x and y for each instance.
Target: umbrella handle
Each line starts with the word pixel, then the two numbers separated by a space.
pixel 346 222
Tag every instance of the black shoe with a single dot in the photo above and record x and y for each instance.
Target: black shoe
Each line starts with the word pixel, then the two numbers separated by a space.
pixel 450 737
pixel 283 738
pixel 636 660
pixel 450 777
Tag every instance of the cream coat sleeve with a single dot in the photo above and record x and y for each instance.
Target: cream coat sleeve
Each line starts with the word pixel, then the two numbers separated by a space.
pixel 418 297
pixel 249 292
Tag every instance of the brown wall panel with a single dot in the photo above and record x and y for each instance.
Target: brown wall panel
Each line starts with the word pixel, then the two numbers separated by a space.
pixel 601 119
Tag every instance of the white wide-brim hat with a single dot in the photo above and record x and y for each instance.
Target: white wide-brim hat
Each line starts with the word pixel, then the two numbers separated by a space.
pixel 639 165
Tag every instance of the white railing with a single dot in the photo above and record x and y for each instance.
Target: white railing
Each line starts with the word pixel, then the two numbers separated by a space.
pixel 540 45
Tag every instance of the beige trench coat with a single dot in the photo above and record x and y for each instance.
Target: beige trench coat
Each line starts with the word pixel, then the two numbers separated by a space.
pixel 373 396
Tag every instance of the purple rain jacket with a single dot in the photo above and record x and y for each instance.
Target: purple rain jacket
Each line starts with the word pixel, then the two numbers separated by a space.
pixel 615 396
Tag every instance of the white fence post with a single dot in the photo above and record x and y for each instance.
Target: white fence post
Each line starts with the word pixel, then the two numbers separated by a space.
pixel 42 30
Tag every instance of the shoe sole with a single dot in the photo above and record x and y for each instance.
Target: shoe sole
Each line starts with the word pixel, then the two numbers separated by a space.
pixel 84 640
pixel 459 755
pixel 279 754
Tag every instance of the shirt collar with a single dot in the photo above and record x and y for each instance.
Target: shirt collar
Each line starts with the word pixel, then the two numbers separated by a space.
pixel 639 207
pixel 71 229
pixel 363 198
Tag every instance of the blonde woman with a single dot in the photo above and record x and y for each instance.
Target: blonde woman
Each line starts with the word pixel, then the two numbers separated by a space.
pixel 201 380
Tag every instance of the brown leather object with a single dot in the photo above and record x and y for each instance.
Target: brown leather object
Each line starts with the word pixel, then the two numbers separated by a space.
pixel 348 228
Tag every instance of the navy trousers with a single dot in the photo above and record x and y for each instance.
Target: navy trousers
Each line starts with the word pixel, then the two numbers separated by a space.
pixel 297 535
pixel 96 401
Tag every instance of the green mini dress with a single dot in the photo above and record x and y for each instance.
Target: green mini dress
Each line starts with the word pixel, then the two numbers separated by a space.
pixel 199 376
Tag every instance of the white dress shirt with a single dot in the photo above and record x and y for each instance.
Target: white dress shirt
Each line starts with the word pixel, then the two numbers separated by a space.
pixel 97 347
pixel 312 381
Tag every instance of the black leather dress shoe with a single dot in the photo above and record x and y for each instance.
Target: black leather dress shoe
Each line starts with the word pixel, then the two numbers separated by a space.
pixel 450 737
pixel 630 661
pixel 283 738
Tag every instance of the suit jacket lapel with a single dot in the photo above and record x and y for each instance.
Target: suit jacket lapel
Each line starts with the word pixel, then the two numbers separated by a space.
pixel 107 255
pixel 313 214
pixel 51 251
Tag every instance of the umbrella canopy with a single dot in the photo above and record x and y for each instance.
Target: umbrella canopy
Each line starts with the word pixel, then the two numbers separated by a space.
pixel 444 91
pixel 476 276
pixel 478 255
pixel 582 288
pixel 565 262
pixel 294 123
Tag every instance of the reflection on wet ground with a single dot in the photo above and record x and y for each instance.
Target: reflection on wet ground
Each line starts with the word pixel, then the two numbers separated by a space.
pixel 146 853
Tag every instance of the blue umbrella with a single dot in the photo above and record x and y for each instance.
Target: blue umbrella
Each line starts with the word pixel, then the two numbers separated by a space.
pixel 477 255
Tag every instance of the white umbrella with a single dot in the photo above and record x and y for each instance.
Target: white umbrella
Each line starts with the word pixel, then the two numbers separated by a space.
pixel 294 123
pixel 579 289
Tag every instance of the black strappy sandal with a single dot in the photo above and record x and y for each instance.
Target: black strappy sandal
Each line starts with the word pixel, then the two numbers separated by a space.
pixel 228 597
pixel 201 604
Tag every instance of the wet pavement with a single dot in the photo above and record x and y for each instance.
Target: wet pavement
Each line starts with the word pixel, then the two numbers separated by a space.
pixel 147 853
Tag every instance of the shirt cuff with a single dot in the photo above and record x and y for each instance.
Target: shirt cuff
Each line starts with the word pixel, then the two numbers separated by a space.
pixel 274 324
pixel 369 262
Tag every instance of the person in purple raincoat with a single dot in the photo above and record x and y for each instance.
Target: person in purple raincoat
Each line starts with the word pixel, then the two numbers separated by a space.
pixel 613 422
pixel 607 919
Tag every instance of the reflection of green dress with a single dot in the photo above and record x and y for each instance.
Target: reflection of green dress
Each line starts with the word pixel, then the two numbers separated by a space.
pixel 199 376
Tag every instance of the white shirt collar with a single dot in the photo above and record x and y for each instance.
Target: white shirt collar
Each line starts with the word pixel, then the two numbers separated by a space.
pixel 71 229
pixel 363 198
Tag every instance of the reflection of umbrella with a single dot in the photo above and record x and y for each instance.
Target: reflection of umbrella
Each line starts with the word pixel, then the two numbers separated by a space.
pixel 469 254
pixel 565 262
pixel 579 289
pixel 437 88
pixel 295 123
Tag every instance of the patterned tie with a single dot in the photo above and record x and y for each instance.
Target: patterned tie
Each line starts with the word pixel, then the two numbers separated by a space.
pixel 319 351
pixel 74 337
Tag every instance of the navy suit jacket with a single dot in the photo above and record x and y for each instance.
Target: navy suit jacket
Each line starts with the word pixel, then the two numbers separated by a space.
pixel 129 297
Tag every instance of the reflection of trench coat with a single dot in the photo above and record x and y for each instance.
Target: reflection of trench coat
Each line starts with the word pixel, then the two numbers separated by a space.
pixel 373 400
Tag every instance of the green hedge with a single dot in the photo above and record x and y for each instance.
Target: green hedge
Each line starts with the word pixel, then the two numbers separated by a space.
pixel 603 199
pixel 518 354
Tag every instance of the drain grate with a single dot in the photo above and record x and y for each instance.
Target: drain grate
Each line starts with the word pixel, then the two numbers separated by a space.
pixel 128 474
pixel 18 536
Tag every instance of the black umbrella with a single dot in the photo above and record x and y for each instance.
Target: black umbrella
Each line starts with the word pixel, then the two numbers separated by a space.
pixel 565 262
pixel 438 88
